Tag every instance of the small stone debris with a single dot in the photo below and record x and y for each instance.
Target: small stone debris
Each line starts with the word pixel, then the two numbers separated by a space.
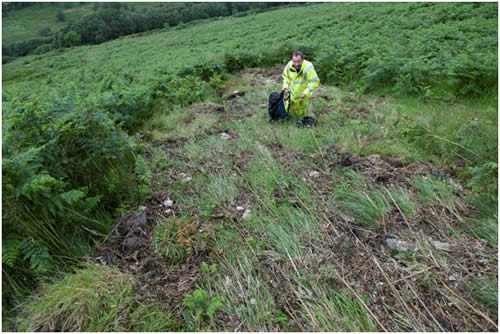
pixel 185 177
pixel 235 94
pixel 168 211
pixel 240 208
pixel 253 301
pixel 458 187
pixel 314 174
pixel 225 136
pixel 348 219
pixel 401 245
pixel 168 203
pixel 246 214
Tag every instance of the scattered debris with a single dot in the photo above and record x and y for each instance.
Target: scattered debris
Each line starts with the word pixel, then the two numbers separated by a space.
pixel 240 208
pixel 168 202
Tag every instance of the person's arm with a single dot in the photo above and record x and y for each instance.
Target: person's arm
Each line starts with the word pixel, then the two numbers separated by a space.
pixel 286 78
pixel 312 81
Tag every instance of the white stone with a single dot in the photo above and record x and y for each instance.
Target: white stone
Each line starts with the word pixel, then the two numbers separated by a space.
pixel 225 136
pixel 240 208
pixel 168 211
pixel 314 174
pixel 168 202
pixel 253 301
pixel 246 214
pixel 348 219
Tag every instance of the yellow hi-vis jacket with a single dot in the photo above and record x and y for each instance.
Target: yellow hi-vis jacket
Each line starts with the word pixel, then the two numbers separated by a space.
pixel 302 81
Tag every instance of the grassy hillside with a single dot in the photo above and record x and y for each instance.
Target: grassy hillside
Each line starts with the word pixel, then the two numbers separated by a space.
pixel 245 224
pixel 27 22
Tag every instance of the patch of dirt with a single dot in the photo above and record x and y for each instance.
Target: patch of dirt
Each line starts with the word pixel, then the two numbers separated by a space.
pixel 381 169
pixel 129 246
pixel 260 77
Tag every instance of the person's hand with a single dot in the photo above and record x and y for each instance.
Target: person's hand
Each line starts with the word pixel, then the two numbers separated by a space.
pixel 303 95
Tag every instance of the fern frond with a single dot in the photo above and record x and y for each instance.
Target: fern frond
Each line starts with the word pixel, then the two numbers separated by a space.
pixel 38 255
pixel 72 196
pixel 10 249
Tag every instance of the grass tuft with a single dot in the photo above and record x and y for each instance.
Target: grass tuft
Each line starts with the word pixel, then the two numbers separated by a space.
pixel 94 299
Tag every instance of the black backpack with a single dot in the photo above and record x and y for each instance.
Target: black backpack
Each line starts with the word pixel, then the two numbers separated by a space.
pixel 276 108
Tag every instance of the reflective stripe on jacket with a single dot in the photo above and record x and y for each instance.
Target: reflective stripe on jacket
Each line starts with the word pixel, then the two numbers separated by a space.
pixel 302 81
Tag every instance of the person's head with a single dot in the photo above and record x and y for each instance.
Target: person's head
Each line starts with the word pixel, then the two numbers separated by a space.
pixel 297 59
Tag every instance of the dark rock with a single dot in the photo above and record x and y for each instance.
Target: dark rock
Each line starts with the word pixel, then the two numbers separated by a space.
pixel 131 221
pixel 348 159
pixel 133 244
pixel 437 174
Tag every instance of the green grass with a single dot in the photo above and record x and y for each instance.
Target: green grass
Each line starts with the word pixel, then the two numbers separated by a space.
pixel 432 191
pixel 93 299
pixel 337 312
pixel 486 291
pixel 369 208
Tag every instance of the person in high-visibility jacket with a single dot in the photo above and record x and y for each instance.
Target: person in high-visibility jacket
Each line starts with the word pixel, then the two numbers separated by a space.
pixel 299 79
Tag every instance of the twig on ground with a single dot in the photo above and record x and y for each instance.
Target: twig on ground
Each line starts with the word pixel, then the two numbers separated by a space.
pixel 412 275
pixel 358 267
pixel 317 143
pixel 293 264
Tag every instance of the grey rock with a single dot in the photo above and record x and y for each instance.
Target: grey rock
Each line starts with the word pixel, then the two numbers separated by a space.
pixel 401 245
pixel 449 247
pixel 133 243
